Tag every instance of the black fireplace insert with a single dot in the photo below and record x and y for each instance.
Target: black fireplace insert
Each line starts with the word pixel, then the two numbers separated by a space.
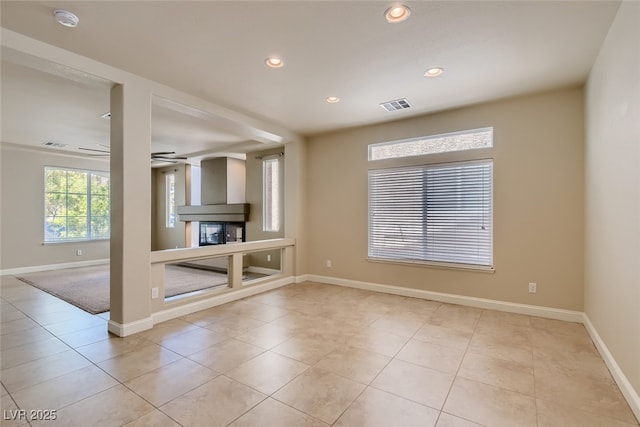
pixel 220 233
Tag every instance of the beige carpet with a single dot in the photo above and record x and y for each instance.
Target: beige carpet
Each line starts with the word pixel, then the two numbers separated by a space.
pixel 88 287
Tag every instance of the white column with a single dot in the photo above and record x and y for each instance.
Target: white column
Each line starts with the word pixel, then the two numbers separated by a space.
pixel 130 209
pixel 295 158
pixel 234 271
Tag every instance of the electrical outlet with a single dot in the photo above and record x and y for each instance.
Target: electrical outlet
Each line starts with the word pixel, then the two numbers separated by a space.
pixel 269 258
pixel 79 252
pixel 154 293
pixel 328 263
pixel 533 288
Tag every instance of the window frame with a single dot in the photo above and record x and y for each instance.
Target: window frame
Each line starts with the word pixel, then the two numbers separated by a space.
pixel 435 160
pixel 426 139
pixel 271 211
pixel 88 194
pixel 170 200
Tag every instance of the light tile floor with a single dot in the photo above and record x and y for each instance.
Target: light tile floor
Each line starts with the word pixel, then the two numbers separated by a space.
pixel 303 355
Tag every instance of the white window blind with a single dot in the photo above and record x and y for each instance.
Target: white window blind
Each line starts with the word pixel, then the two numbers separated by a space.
pixel 436 213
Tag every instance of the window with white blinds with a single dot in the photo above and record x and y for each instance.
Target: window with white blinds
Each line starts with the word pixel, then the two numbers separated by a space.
pixel 270 195
pixel 440 213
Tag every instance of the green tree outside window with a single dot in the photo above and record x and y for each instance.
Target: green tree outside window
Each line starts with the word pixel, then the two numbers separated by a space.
pixel 76 205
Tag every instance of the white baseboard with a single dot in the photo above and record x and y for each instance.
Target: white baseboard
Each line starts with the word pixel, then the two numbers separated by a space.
pixel 182 310
pixel 302 278
pixel 531 310
pixel 629 393
pixel 36 268
pixel 262 270
pixel 123 330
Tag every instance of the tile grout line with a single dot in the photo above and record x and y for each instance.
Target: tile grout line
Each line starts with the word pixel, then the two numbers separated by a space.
pixel 467 351
pixel 455 377
pixel 118 382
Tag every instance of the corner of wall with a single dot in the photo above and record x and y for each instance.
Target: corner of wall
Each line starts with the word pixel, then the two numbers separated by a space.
pixel 612 201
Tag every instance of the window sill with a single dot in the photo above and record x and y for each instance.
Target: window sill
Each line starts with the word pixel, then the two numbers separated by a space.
pixel 74 242
pixel 434 264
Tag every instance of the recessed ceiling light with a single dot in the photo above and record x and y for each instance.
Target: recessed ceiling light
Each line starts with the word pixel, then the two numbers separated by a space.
pixel 274 62
pixel 332 99
pixel 106 115
pixel 434 72
pixel 65 18
pixel 397 13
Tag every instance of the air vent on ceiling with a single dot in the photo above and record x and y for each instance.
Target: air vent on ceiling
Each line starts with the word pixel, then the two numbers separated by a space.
pixel 53 144
pixel 395 105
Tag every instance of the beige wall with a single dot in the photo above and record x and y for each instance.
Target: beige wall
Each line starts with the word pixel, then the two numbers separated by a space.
pixel 612 196
pixel 236 181
pixel 538 201
pixel 161 236
pixel 223 181
pixel 254 198
pixel 22 227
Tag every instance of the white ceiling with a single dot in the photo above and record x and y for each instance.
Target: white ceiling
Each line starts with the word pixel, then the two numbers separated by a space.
pixel 58 106
pixel 216 51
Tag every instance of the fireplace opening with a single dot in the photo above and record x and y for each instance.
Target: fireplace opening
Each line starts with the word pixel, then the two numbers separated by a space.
pixel 220 233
